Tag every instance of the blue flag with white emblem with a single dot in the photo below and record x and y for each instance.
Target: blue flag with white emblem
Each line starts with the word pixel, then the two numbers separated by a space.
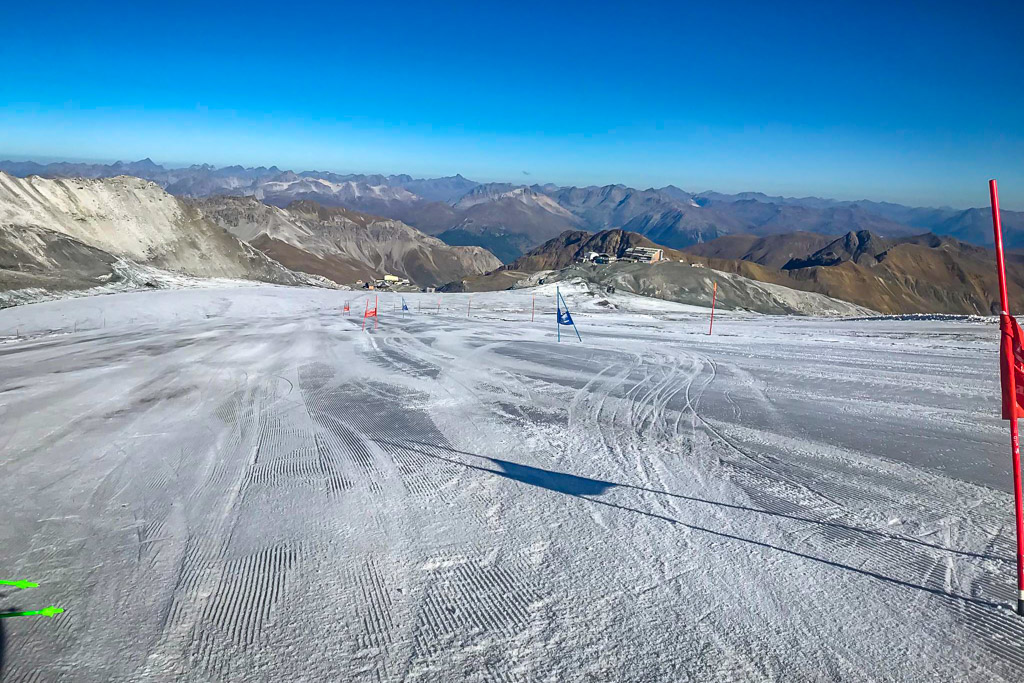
pixel 404 306
pixel 562 316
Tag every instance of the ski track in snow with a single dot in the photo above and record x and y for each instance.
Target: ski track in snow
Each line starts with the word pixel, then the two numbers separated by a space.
pixel 243 484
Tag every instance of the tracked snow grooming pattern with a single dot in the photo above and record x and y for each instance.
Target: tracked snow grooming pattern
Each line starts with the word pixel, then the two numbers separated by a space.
pixel 470 598
pixel 245 598
pixel 247 486
pixel 782 479
pixel 377 427
pixel 375 620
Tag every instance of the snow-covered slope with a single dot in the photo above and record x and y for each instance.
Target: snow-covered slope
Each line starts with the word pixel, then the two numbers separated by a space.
pixel 127 218
pixel 311 188
pixel 241 484
pixel 524 195
pixel 344 245
pixel 682 283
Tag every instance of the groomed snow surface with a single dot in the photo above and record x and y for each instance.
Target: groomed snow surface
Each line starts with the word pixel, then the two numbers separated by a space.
pixel 240 484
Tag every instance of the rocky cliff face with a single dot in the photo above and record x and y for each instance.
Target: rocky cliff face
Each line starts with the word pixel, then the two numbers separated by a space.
pixel 344 245
pixel 68 234
pixel 134 219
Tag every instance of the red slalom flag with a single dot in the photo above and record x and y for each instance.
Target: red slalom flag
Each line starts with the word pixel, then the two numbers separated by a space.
pixel 1011 366
pixel 370 313
pixel 346 309
pixel 1011 374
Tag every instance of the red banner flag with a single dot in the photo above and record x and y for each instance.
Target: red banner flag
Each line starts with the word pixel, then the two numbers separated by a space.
pixel 370 313
pixel 1011 366
pixel 1011 375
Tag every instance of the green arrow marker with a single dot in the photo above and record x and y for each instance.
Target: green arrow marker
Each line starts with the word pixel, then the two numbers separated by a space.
pixel 47 612
pixel 19 584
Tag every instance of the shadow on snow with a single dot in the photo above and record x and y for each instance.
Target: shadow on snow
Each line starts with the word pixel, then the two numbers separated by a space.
pixel 583 487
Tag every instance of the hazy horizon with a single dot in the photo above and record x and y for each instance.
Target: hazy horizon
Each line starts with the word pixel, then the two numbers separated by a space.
pixel 523 180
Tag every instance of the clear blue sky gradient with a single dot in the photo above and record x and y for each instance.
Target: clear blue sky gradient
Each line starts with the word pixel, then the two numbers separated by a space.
pixel 913 102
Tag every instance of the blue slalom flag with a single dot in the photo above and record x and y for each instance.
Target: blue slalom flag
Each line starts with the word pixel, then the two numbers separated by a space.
pixel 563 317
pixel 404 306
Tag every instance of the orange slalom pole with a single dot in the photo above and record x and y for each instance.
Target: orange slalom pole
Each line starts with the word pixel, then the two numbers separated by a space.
pixel 1006 347
pixel 714 295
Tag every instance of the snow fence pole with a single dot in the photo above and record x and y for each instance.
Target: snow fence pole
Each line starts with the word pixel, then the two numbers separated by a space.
pixel 714 295
pixel 1008 364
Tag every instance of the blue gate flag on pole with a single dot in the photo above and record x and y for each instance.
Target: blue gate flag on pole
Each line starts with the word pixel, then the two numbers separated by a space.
pixel 404 306
pixel 563 317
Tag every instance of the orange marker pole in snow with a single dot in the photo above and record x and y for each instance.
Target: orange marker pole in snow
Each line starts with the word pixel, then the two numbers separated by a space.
pixel 1009 367
pixel 714 295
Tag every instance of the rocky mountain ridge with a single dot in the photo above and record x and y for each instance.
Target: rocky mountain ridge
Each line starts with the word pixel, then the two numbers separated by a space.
pixel 343 245
pixel 510 219
pixel 60 234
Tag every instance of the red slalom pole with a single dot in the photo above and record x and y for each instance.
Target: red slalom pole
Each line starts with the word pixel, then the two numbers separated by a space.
pixel 714 295
pixel 1007 366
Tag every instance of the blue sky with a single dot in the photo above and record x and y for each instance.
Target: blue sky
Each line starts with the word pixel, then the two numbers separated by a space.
pixel 913 102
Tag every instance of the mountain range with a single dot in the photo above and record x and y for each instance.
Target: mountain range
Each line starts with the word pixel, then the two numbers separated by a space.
pixel 63 234
pixel 77 233
pixel 66 234
pixel 343 245
pixel 510 219
pixel 923 273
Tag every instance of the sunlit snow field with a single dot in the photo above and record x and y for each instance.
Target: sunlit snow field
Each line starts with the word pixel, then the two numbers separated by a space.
pixel 242 484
